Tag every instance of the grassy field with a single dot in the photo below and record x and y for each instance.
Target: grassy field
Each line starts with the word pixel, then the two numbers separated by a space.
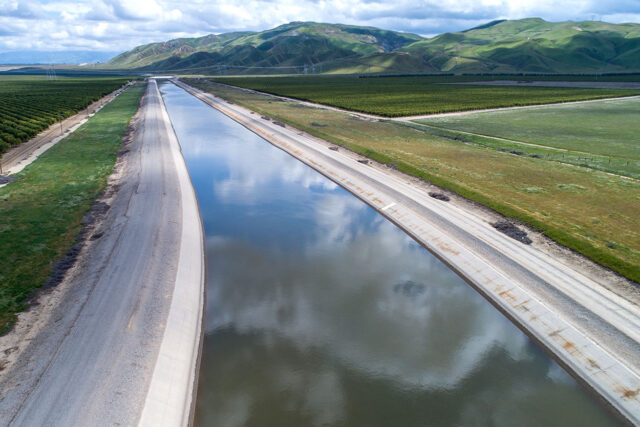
pixel 30 104
pixel 601 135
pixel 404 96
pixel 592 212
pixel 608 128
pixel 41 213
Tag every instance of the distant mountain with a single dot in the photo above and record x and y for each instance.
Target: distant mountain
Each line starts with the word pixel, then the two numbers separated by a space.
pixel 53 57
pixel 528 45
pixel 291 45
pixel 534 45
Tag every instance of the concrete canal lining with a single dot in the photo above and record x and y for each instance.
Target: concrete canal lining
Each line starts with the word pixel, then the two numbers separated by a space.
pixel 171 396
pixel 590 330
pixel 121 335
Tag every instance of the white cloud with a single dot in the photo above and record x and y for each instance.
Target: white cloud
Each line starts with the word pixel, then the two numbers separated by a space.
pixel 20 10
pixel 125 24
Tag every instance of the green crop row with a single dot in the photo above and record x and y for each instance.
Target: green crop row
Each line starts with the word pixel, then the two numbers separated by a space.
pixel 406 96
pixel 30 105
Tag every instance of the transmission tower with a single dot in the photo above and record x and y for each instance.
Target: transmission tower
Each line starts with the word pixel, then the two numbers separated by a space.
pixel 51 73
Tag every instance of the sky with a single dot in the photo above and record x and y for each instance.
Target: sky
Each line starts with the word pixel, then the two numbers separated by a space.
pixel 119 25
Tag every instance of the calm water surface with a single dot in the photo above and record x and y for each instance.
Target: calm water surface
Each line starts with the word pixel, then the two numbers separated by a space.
pixel 321 312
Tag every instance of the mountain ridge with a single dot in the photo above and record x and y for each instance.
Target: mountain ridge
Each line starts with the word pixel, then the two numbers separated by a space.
pixel 502 46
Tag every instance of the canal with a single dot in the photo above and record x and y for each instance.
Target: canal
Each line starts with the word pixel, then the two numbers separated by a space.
pixel 319 311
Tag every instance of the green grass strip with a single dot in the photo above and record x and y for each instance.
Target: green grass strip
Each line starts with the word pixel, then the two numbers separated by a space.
pixel 41 214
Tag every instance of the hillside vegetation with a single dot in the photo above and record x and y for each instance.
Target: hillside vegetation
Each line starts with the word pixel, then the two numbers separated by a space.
pixel 291 45
pixel 528 45
pixel 534 45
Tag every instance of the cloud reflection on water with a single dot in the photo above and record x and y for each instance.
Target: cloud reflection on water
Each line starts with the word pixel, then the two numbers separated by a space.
pixel 321 312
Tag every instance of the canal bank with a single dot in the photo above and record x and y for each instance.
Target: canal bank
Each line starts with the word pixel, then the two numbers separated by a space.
pixel 170 399
pixel 245 305
pixel 593 332
pixel 120 335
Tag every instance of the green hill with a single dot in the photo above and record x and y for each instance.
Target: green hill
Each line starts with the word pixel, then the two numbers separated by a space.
pixel 534 45
pixel 291 45
pixel 148 54
pixel 528 45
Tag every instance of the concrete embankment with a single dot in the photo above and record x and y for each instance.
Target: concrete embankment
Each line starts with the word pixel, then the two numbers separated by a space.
pixel 171 397
pixel 590 330
pixel 117 342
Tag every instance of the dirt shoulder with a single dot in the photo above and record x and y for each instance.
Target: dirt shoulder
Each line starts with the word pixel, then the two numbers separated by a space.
pixel 84 354
pixel 49 299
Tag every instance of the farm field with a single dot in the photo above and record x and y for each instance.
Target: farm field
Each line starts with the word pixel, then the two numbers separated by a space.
pixel 600 135
pixel 589 211
pixel 30 104
pixel 41 213
pixel 407 96
pixel 607 128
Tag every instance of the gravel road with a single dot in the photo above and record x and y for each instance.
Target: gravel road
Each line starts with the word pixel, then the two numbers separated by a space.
pixel 93 360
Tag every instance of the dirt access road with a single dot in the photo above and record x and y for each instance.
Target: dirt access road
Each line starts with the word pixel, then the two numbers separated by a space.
pixel 592 330
pixel 122 332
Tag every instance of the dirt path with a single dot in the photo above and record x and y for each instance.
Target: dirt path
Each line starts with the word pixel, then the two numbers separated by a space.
pixel 89 351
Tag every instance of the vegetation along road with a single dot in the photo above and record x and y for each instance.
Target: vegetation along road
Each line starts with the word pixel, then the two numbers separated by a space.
pixel 99 347
pixel 41 213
